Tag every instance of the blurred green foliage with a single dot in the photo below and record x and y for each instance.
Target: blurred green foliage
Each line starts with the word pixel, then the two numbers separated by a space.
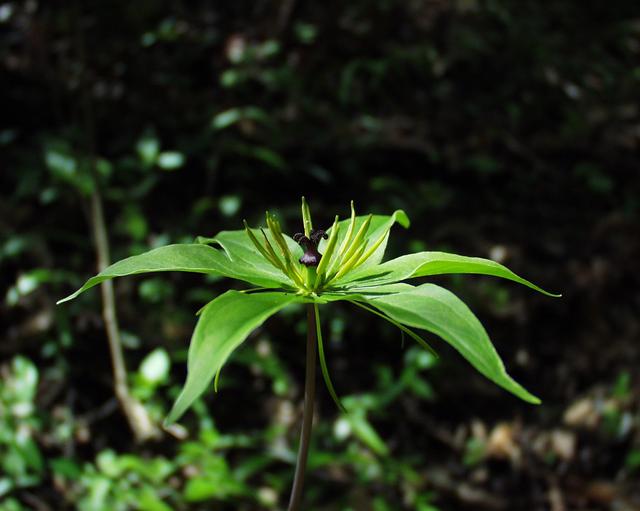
pixel 20 457
pixel 199 470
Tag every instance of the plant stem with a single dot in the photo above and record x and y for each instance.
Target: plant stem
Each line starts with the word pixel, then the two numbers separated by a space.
pixel 307 414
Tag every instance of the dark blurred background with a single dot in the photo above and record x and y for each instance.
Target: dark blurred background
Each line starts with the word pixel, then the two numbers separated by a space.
pixel 504 129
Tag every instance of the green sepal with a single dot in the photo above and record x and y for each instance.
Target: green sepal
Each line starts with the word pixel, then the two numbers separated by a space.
pixel 306 218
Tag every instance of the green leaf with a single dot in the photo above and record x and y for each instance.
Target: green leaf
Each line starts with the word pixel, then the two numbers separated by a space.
pixel 195 258
pixel 423 264
pixel 23 384
pixel 148 148
pixel 222 326
pixel 240 249
pixel 439 311
pixel 148 500
pixel 62 162
pixel 356 297
pixel 229 205
pixel 155 366
pixel 170 160
pixel 232 116
pixel 261 153
pixel 349 294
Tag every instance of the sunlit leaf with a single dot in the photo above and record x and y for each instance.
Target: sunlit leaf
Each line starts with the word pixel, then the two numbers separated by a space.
pixel 148 148
pixel 234 115
pixel 195 258
pixel 229 204
pixel 170 160
pixel 439 311
pixel 155 366
pixel 240 249
pixel 423 264
pixel 222 326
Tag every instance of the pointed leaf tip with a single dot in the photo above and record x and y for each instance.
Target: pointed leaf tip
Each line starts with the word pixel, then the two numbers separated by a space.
pixel 437 310
pixel 191 257
pixel 402 218
pixel 423 264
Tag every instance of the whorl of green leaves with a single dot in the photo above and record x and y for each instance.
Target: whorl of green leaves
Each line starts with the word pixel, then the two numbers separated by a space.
pixel 350 270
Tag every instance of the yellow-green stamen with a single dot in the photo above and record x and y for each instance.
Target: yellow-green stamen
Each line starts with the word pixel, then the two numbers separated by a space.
pixel 357 240
pixel 346 240
pixel 306 218
pixel 271 251
pixel 328 253
pixel 320 270
pixel 269 257
pixel 371 249
pixel 348 265
pixel 274 227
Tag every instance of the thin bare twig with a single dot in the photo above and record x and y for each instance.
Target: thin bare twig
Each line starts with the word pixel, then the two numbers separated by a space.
pixel 137 416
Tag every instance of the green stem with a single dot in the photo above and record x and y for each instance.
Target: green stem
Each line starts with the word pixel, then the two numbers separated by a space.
pixel 307 414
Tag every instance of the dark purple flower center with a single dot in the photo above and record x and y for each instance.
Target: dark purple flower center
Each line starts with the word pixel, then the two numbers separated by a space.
pixel 311 256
